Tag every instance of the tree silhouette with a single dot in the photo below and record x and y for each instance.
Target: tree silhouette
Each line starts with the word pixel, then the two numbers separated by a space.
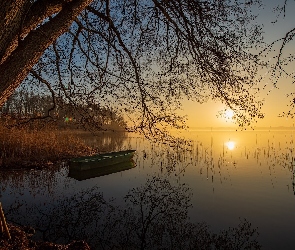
pixel 138 58
pixel 279 54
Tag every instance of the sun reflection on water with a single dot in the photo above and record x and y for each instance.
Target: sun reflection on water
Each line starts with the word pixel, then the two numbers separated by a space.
pixel 230 145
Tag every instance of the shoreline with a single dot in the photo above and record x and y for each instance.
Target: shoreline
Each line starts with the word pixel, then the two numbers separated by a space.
pixel 21 238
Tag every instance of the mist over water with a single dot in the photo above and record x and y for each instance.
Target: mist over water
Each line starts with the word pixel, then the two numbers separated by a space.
pixel 230 176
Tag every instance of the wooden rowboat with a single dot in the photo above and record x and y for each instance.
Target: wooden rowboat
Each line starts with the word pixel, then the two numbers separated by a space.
pixel 100 160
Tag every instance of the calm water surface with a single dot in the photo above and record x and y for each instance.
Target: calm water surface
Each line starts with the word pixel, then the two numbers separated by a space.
pixel 231 176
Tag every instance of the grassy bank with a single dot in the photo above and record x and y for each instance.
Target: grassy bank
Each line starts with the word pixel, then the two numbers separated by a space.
pixel 27 147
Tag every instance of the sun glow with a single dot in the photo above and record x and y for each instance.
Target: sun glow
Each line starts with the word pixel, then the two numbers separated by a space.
pixel 229 114
pixel 230 145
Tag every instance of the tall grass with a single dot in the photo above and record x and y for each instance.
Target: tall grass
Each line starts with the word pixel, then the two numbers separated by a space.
pixel 21 147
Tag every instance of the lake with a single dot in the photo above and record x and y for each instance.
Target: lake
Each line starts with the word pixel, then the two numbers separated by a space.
pixel 222 179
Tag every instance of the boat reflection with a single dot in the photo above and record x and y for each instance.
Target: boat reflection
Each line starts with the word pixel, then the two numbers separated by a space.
pixel 81 175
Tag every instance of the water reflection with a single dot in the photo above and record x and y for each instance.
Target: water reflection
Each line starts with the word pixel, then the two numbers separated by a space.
pixel 81 175
pixel 154 216
pixel 46 182
pixel 255 180
pixel 36 182
pixel 105 141
pixel 230 145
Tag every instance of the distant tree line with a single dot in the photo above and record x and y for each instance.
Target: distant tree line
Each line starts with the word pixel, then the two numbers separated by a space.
pixel 24 106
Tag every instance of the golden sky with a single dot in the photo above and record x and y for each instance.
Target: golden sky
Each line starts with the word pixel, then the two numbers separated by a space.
pixel 276 101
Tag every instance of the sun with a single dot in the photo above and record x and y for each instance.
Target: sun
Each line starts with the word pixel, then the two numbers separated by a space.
pixel 229 113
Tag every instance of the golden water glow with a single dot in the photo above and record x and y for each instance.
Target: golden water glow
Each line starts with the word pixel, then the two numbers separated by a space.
pixel 230 145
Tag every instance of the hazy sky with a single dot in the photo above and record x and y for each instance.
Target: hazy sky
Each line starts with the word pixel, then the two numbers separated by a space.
pixel 205 115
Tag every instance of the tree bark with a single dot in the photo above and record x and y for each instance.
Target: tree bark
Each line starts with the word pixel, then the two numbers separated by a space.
pixel 28 51
pixel 11 16
pixel 28 18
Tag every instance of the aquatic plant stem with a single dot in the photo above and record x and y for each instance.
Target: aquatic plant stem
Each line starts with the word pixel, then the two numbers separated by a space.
pixel 3 225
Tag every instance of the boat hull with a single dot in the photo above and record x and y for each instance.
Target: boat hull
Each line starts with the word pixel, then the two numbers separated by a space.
pixel 101 160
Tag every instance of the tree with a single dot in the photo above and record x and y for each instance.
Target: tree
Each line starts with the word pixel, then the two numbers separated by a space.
pixel 137 58
pixel 25 34
pixel 23 107
pixel 279 55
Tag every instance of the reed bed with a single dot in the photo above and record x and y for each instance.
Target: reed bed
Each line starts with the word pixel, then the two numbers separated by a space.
pixel 23 147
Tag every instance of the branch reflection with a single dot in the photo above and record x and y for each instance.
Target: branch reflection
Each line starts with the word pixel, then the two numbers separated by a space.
pixel 154 216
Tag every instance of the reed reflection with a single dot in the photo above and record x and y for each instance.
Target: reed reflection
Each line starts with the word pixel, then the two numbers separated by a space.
pixel 44 181
pixel 259 169
pixel 36 182
pixel 105 141
pixel 207 156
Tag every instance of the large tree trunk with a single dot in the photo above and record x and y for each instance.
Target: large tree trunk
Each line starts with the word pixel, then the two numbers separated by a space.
pixel 18 56
pixel 11 16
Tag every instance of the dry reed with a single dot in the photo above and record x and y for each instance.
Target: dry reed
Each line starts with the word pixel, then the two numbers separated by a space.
pixel 21 147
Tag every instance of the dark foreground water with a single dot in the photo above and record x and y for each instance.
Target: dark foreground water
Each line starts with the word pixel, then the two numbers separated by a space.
pixel 171 198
